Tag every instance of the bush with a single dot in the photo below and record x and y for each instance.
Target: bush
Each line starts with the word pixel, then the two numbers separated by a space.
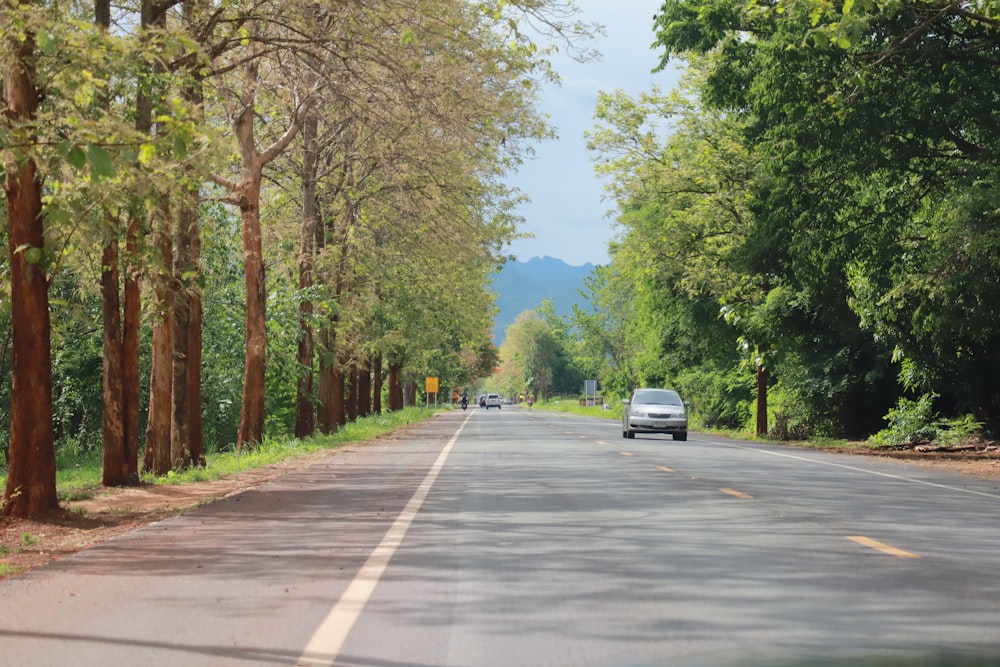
pixel 913 422
pixel 953 431
pixel 909 422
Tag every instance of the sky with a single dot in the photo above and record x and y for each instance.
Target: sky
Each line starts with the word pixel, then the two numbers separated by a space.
pixel 568 215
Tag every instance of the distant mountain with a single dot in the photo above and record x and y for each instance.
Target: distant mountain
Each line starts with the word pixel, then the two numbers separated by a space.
pixel 522 286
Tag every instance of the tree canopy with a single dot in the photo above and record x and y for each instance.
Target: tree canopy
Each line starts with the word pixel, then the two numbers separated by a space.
pixel 344 164
pixel 819 198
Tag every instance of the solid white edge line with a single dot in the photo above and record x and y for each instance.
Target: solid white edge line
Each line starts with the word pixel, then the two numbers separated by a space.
pixel 900 478
pixel 326 643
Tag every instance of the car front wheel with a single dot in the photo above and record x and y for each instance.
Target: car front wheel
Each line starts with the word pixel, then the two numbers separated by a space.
pixel 681 436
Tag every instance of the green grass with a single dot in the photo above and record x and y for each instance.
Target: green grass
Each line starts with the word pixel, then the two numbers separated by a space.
pixel 79 478
pixel 572 406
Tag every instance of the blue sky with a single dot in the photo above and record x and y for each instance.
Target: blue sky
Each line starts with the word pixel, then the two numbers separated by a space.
pixel 567 214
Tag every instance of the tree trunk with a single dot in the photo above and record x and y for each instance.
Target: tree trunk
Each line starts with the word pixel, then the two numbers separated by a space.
pixel 395 387
pixel 305 415
pixel 351 395
pixel 157 459
pixel 252 408
pixel 761 400
pixel 115 465
pixel 196 431
pixel 364 388
pixel 189 444
pixel 411 393
pixel 196 427
pixel 337 393
pixel 117 468
pixel 377 388
pixel 31 472
pixel 247 195
pixel 326 417
pixel 130 345
pixel 184 269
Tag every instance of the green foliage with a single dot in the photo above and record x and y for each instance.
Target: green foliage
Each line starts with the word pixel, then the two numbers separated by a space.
pixel 534 358
pixel 909 422
pixel 720 398
pixel 867 226
pixel 913 422
pixel 223 328
pixel 78 477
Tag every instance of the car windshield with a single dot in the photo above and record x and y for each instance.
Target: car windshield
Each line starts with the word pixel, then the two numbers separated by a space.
pixel 657 397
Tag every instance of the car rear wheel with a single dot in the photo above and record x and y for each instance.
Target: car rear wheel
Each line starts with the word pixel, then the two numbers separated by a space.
pixel 630 434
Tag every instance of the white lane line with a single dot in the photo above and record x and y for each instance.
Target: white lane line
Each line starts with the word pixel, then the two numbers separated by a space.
pixel 326 643
pixel 900 478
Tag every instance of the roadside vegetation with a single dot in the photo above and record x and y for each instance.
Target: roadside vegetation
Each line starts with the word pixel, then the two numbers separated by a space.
pixel 157 158
pixel 79 477
pixel 807 244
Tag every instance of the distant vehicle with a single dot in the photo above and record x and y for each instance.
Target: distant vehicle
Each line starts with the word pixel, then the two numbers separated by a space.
pixel 482 400
pixel 654 411
pixel 493 401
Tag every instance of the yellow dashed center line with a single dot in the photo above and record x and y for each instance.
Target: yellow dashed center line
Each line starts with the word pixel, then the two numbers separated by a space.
pixel 665 469
pixel 879 546
pixel 625 453
pixel 738 494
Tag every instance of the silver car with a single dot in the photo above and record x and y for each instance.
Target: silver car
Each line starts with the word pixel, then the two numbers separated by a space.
pixel 655 411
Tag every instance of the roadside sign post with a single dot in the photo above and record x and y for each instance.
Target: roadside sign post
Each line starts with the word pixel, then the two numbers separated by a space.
pixel 431 387
pixel 590 392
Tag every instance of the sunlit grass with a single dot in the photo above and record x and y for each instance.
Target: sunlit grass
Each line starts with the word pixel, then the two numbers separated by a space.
pixel 79 478
pixel 6 569
pixel 572 406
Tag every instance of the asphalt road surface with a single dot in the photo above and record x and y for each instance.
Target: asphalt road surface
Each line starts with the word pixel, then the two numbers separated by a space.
pixel 518 538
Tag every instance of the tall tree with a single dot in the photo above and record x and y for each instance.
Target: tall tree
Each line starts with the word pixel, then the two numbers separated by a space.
pixel 245 194
pixel 31 479
pixel 121 335
pixel 683 202
pixel 531 347
pixel 305 414
pixel 157 458
pixel 875 120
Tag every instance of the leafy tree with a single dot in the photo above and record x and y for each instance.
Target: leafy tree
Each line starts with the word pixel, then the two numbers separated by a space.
pixel 439 100
pixel 684 208
pixel 533 351
pixel 31 484
pixel 874 122
pixel 933 68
